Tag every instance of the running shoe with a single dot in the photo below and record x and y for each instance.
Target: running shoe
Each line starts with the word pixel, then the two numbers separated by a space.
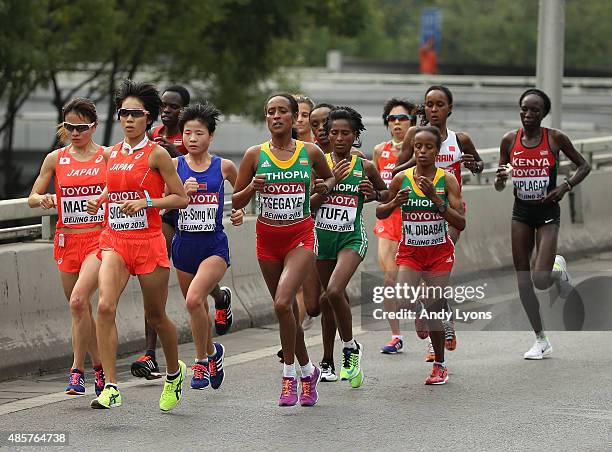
pixel 420 323
pixel 430 357
pixel 439 375
pixel 351 365
pixel 565 280
pixel 173 389
pixel 288 395
pixel 146 367
pixel 309 395
pixel 328 371
pixel 539 350
pixel 395 345
pixel 215 366
pixel 200 379
pixel 307 323
pixel 223 312
pixel 99 381
pixel 110 397
pixel 76 383
pixel 450 336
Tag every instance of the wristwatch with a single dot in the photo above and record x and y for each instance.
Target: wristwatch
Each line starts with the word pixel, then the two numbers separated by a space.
pixel 442 208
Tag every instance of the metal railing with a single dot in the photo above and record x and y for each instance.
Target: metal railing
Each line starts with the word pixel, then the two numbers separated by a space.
pixel 597 151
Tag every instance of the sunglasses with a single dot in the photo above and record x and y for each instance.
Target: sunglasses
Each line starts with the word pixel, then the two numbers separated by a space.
pixel 78 127
pixel 400 117
pixel 134 112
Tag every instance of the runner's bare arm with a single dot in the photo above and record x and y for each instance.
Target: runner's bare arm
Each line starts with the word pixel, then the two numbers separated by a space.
pixel 454 211
pixel 470 157
pixel 396 198
pixel 325 180
pixel 566 146
pixel 404 159
pixel 501 177
pixel 247 182
pixel 379 188
pixel 230 173
pixel 39 196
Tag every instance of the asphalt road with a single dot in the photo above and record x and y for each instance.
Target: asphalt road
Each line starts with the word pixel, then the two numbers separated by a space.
pixel 494 399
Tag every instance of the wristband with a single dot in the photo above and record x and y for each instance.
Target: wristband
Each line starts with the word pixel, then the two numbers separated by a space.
pixel 569 185
pixel 149 200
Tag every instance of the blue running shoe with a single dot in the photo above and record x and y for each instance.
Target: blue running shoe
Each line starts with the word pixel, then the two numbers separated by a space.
pixel 215 366
pixel 394 346
pixel 99 380
pixel 200 379
pixel 76 383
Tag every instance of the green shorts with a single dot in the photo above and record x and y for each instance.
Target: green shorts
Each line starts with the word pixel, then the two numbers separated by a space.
pixel 330 242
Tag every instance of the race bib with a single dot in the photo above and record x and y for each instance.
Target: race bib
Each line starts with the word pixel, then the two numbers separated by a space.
pixel 120 221
pixel 74 204
pixel 201 213
pixel 338 213
pixel 423 228
pixel 282 201
pixel 531 184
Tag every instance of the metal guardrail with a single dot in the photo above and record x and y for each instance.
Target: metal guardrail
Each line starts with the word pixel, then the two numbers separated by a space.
pixel 597 151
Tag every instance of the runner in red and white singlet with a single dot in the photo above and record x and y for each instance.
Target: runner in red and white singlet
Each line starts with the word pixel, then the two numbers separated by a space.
pixel 79 172
pixel 133 242
pixel 398 116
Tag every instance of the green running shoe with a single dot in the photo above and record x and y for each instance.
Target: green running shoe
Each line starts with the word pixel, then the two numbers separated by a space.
pixel 110 397
pixel 351 365
pixel 173 389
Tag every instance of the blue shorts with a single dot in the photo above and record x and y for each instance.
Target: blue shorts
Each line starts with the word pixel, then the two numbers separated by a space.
pixel 189 250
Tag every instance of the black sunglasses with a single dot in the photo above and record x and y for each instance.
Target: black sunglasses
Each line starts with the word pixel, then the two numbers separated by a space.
pixel 78 127
pixel 134 112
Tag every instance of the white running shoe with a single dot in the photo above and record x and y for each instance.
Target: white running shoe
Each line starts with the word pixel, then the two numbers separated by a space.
pixel 307 323
pixel 539 350
pixel 565 281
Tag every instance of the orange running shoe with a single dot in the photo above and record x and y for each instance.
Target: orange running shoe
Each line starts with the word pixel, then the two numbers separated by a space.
pixel 439 375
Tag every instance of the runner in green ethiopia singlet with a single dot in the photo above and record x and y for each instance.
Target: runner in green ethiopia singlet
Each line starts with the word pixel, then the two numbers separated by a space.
pixel 339 223
pixel 422 225
pixel 286 193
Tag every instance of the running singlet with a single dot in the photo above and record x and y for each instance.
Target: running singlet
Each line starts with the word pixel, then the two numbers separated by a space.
pixel 534 169
pixel 205 210
pixel 422 225
pixel 286 192
pixel 127 178
pixel 449 157
pixel 386 163
pixel 76 183
pixel 176 140
pixel 341 209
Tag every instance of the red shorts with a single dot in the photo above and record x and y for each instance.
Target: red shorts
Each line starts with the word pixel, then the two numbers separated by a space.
pixel 438 258
pixel 141 252
pixel 72 248
pixel 390 228
pixel 273 243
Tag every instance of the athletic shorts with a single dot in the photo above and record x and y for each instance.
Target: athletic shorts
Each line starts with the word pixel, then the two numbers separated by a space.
pixel 71 249
pixel 168 217
pixel 331 242
pixel 390 228
pixel 438 258
pixel 142 252
pixel 273 243
pixel 189 250
pixel 536 215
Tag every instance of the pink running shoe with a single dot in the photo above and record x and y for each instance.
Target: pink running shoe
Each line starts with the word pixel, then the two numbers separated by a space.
pixel 309 395
pixel 288 395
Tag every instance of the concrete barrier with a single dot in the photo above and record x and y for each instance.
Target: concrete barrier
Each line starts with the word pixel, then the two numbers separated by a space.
pixel 35 318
